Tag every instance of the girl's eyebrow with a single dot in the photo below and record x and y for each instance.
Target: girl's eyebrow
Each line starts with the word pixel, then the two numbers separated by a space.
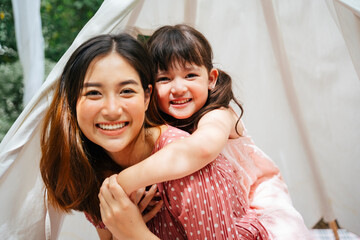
pixel 123 83
pixel 188 67
pixel 162 72
pixel 191 67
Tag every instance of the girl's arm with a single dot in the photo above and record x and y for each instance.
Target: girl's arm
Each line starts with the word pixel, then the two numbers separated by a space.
pixel 121 216
pixel 183 156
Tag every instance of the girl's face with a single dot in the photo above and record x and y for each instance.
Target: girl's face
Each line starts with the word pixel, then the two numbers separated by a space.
pixel 112 104
pixel 182 91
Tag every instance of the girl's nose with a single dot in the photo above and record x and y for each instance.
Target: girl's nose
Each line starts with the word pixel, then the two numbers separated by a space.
pixel 112 108
pixel 178 86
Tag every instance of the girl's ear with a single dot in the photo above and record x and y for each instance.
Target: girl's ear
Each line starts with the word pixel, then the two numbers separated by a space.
pixel 148 96
pixel 213 76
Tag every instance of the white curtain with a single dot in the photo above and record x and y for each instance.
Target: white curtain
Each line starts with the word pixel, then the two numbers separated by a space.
pixel 30 44
pixel 295 66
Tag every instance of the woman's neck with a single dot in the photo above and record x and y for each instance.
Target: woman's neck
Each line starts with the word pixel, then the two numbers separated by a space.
pixel 139 149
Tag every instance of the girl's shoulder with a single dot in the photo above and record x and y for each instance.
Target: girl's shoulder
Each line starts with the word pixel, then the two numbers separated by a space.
pixel 169 134
pixel 229 117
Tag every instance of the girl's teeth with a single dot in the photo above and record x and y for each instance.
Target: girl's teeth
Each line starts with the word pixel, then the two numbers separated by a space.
pixel 111 126
pixel 181 102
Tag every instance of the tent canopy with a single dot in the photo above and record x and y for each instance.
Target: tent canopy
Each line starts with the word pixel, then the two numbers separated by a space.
pixel 296 69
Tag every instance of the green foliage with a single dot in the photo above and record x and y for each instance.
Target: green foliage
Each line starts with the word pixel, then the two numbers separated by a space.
pixel 62 20
pixel 7 37
pixel 11 94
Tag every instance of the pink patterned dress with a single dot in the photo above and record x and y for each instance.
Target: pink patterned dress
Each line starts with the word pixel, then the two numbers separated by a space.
pixel 211 203
pixel 265 190
pixel 240 195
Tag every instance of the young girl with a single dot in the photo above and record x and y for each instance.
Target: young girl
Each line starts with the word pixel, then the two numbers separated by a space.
pixel 96 126
pixel 192 95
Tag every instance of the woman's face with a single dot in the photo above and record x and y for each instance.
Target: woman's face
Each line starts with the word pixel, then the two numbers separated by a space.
pixel 112 104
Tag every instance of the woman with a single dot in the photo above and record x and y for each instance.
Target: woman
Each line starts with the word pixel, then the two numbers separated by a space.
pixel 79 144
pixel 97 126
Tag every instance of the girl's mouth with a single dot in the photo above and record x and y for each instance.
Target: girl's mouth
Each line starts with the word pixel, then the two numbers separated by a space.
pixel 178 102
pixel 111 127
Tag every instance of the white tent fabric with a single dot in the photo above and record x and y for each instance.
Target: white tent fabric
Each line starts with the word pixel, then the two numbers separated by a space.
pixel 30 44
pixel 24 214
pixel 295 66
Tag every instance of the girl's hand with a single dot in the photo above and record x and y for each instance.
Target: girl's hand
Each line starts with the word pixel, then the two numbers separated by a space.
pixel 146 201
pixel 120 215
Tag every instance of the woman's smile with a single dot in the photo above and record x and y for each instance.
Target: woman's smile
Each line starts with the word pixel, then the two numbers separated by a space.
pixel 111 126
pixel 111 107
pixel 112 129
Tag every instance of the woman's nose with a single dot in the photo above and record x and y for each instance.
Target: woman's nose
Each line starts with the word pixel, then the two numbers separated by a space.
pixel 178 86
pixel 112 108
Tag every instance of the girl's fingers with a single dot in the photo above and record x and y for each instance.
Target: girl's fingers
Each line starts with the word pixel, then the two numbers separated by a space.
pixel 148 216
pixel 137 195
pixel 147 198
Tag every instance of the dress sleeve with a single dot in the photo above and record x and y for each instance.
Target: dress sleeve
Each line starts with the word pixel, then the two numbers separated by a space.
pixel 100 225
pixel 267 190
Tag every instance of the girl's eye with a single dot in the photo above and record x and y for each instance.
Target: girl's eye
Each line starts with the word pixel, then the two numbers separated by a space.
pixel 191 75
pixel 162 79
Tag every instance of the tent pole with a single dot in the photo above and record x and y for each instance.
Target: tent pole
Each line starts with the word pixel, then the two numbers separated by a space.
pixel 334 228
pixel 190 11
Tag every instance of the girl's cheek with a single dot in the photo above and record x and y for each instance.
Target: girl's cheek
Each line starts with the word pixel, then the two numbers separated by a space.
pixel 160 96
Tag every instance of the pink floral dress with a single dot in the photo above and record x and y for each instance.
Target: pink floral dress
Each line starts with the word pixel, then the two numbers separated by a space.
pixel 211 203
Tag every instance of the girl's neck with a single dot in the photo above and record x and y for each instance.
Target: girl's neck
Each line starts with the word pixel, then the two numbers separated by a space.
pixel 139 149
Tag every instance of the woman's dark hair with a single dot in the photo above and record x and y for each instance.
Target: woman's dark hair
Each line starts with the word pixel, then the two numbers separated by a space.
pixel 72 167
pixel 183 44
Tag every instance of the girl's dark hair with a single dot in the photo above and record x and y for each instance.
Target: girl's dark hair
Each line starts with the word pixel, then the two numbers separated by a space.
pixel 183 44
pixel 72 167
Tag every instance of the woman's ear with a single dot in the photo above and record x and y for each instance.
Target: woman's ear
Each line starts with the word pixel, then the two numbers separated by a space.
pixel 148 92
pixel 213 76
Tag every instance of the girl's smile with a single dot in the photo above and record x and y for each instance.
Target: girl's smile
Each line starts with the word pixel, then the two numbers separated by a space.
pixel 183 90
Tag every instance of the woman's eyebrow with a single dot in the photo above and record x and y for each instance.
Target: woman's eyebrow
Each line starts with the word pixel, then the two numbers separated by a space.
pixel 129 81
pixel 92 84
pixel 99 84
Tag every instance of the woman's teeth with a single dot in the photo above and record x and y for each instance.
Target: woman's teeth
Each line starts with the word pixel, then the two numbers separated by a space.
pixel 112 126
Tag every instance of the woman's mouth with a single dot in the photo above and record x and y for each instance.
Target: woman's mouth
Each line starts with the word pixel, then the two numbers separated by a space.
pixel 111 127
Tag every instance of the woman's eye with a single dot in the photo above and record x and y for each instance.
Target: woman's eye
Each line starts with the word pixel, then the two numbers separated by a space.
pixel 127 91
pixel 92 93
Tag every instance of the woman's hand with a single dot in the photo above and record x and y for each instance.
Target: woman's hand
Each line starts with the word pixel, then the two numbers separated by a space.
pixel 122 216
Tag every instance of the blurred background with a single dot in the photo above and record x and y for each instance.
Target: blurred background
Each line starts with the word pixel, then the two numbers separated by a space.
pixel 61 22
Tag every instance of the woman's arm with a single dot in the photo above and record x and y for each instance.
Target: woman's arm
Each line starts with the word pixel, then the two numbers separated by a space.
pixel 183 156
